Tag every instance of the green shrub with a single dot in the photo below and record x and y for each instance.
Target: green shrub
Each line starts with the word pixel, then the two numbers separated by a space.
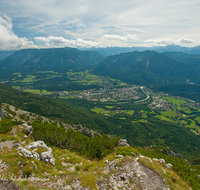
pixel 27 171
pixel 5 125
pixel 92 148
pixel 126 151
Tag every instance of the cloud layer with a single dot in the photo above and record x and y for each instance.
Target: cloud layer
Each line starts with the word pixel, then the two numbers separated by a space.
pixel 8 40
pixel 52 41
pixel 169 41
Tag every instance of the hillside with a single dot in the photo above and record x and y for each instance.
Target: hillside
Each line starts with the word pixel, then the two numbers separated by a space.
pixel 146 68
pixel 53 108
pixel 191 91
pixel 28 162
pixel 139 129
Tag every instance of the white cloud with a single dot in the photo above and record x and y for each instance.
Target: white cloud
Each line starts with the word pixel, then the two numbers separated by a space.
pixel 164 41
pixel 52 41
pixel 121 38
pixel 9 40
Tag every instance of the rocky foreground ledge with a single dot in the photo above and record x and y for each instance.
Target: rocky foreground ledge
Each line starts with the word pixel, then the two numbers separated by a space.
pixel 29 164
pixel 68 171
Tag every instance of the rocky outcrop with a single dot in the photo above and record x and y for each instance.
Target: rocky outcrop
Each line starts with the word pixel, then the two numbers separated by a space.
pixel 28 130
pixel 48 157
pixel 83 130
pixel 169 166
pixel 45 156
pixel 123 142
pixel 173 154
pixel 37 144
pixel 29 117
pixel 129 175
pixel 162 161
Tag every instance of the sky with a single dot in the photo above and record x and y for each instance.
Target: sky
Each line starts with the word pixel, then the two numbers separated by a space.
pixel 92 23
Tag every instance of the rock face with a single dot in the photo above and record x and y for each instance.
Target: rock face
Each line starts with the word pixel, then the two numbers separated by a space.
pixel 123 142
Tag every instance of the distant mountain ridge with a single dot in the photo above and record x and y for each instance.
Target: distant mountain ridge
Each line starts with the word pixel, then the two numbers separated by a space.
pixel 169 48
pixel 59 59
pixel 4 54
pixel 146 68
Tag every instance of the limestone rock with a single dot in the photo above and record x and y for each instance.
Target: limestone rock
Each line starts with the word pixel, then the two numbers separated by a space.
pixel 37 144
pixel 170 152
pixel 169 166
pixel 28 130
pixel 123 142
pixel 48 157
pixel 130 174
pixel 25 137
pixel 72 169
pixel 25 152
pixel 162 161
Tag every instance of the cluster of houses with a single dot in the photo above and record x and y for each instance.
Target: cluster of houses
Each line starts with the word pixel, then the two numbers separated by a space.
pixel 105 94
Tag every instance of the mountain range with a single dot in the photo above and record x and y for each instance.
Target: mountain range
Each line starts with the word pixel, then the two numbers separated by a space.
pixel 144 68
pixel 169 48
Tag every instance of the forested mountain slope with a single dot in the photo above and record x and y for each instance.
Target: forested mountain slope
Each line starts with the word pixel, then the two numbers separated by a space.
pixel 192 59
pixel 59 59
pixel 145 68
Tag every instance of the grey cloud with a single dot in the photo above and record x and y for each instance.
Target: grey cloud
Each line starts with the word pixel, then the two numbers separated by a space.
pixel 183 40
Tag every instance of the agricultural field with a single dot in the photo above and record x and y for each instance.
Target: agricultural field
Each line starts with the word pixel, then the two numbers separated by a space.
pixel 183 112
pixel 175 110
pixel 49 82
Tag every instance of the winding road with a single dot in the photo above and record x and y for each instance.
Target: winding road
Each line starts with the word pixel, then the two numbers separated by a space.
pixel 142 88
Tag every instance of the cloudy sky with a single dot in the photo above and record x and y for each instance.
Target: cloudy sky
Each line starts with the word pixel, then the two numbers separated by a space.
pixel 92 23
